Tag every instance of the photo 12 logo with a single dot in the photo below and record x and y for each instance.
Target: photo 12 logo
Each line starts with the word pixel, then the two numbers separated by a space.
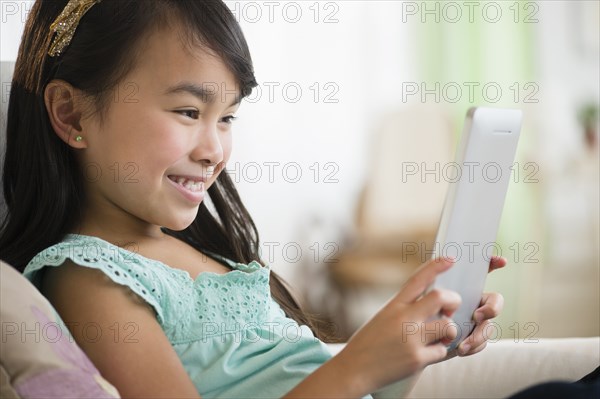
pixel 294 252
pixel 292 12
pixel 453 92
pixel 288 172
pixel 53 332
pixel 471 251
pixel 470 11
pixel 492 332
pixel 294 92
pixel 15 10
pixel 453 172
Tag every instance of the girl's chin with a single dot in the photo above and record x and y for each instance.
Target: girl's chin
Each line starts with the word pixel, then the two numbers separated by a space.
pixel 181 223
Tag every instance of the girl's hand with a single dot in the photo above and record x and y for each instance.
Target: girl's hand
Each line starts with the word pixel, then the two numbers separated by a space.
pixel 490 307
pixel 398 341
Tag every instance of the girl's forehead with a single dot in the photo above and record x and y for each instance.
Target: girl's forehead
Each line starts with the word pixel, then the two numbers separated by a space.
pixel 166 57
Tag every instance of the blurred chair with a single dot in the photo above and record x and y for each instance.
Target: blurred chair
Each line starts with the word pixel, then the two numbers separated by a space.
pixel 405 189
pixel 398 213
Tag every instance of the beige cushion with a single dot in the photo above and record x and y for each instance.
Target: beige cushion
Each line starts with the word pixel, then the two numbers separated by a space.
pixel 506 367
pixel 39 356
pixel 6 390
pixel 502 368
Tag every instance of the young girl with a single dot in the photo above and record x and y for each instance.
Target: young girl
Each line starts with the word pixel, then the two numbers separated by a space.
pixel 119 130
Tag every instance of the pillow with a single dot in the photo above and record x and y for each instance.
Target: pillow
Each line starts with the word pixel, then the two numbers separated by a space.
pixel 6 390
pixel 39 357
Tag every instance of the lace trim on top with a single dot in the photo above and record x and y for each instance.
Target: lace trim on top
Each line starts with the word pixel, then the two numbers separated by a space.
pixel 188 309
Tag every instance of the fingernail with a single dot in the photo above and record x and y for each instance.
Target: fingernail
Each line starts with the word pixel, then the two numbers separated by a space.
pixel 464 348
pixel 450 259
pixel 478 317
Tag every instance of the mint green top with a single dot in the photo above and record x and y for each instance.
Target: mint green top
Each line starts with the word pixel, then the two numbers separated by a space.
pixel 233 339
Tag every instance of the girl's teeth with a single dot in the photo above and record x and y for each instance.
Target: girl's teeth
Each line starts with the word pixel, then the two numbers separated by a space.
pixel 189 184
pixel 192 186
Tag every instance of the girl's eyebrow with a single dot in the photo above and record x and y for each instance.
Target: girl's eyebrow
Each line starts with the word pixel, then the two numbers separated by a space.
pixel 206 92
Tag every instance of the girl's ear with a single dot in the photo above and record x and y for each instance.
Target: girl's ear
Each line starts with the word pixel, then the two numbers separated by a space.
pixel 64 104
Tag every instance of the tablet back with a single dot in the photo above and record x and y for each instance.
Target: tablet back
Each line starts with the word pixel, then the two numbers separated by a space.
pixel 478 179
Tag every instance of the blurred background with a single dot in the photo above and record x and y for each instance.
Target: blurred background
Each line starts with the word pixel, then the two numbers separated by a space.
pixel 340 153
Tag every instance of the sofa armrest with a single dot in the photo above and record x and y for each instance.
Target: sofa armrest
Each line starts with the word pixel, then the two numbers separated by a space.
pixel 506 367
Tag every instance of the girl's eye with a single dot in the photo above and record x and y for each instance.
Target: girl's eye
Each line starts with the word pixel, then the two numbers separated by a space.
pixel 190 113
pixel 228 119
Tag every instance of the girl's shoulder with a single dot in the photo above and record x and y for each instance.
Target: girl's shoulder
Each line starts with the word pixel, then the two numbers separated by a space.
pixel 91 252
pixel 122 266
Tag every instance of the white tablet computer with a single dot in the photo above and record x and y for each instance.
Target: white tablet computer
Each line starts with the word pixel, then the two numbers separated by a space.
pixel 473 206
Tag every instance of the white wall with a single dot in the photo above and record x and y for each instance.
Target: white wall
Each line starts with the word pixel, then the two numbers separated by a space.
pixel 12 18
pixel 363 55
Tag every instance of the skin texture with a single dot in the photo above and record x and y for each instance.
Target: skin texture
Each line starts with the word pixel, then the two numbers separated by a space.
pixel 135 146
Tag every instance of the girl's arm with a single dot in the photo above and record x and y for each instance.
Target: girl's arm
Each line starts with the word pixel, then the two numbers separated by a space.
pixel 396 343
pixel 127 345
pixel 386 356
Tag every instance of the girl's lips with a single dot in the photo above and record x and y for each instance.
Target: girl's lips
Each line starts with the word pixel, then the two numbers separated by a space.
pixel 191 190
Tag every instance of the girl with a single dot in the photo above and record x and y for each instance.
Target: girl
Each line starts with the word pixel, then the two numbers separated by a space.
pixel 121 212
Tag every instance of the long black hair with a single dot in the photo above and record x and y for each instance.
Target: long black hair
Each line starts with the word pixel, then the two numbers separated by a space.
pixel 42 180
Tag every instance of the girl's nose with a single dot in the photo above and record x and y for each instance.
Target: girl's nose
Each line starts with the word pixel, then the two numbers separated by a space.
pixel 208 149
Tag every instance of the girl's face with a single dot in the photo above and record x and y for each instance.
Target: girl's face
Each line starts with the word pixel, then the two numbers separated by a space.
pixel 163 141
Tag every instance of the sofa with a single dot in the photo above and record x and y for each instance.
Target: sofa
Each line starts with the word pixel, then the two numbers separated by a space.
pixel 39 358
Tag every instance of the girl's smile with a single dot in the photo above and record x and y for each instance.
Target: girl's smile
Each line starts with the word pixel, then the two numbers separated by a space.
pixel 191 187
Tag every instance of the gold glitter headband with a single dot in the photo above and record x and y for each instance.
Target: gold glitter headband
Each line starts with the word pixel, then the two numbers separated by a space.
pixel 65 25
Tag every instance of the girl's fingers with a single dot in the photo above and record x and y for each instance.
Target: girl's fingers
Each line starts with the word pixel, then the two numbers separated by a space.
pixel 479 348
pixel 496 262
pixel 422 278
pixel 478 337
pixel 443 330
pixel 461 350
pixel 437 301
pixel 433 353
pixel 491 305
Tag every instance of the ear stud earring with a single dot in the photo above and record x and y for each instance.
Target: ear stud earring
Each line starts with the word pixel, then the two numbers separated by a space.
pixel 78 138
